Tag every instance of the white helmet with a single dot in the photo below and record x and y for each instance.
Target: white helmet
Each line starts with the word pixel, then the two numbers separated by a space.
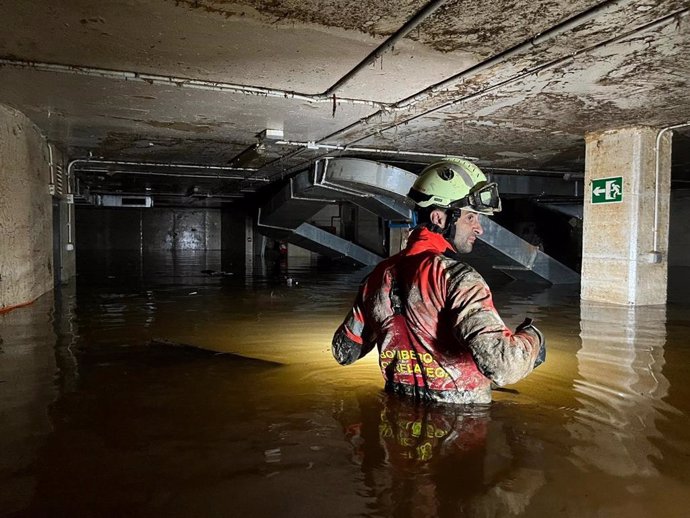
pixel 454 183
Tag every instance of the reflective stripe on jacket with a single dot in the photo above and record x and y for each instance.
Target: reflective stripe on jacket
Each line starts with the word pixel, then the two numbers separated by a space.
pixel 432 319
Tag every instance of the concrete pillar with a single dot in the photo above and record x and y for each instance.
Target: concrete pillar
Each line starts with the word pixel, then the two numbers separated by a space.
pixel 249 246
pixel 618 265
pixel 26 212
pixel 64 258
pixel 67 264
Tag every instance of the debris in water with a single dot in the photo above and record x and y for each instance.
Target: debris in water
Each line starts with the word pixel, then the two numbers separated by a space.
pixel 215 273
pixel 272 455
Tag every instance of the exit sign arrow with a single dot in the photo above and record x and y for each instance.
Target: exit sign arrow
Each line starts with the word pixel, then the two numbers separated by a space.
pixel 607 190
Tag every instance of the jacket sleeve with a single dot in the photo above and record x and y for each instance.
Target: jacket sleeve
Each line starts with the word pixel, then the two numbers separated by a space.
pixel 501 355
pixel 349 342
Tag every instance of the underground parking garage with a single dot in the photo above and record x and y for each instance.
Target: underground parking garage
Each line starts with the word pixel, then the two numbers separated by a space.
pixel 191 194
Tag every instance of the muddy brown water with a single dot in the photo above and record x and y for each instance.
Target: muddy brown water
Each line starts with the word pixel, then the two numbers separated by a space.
pixel 96 420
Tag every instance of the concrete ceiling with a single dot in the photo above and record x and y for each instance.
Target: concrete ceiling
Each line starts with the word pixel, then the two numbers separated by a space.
pixel 514 83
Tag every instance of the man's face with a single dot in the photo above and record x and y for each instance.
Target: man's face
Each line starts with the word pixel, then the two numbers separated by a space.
pixel 467 228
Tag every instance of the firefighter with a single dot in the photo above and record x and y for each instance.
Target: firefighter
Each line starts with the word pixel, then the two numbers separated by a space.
pixel 429 315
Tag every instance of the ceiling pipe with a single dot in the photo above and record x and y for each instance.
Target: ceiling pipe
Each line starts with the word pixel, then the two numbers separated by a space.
pixel 398 35
pixel 325 97
pixel 201 84
pixel 479 67
pixel 51 165
pixel 335 147
pixel 181 82
pixel 98 161
pixel 169 175
pixel 655 247
pixel 165 194
pixel 566 175
pixel 555 30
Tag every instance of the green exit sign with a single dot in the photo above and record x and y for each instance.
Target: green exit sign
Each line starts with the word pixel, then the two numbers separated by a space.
pixel 607 190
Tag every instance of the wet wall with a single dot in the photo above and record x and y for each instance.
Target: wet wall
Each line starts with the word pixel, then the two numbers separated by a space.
pixel 26 214
pixel 154 229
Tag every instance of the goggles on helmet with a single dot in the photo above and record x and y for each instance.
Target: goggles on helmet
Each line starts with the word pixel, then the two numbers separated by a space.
pixel 483 199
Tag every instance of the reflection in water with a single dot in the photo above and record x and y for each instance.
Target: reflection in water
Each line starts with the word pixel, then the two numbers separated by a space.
pixel 621 387
pixel 27 368
pixel 430 461
pixel 102 415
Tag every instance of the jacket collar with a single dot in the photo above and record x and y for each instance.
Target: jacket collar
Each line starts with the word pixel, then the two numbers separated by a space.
pixel 424 240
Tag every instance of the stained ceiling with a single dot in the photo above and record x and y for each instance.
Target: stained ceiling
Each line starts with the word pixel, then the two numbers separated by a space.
pixel 514 84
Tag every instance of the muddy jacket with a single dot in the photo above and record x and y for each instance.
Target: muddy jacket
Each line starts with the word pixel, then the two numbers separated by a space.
pixel 432 319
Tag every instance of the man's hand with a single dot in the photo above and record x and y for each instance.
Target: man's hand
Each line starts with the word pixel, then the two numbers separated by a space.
pixel 528 326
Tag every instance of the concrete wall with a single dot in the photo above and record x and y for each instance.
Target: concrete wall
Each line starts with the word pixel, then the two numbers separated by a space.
pixel 26 212
pixel 148 229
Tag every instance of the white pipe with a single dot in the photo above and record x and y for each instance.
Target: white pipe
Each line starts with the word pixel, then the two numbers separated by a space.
pixel 418 18
pixel 326 96
pixel 166 194
pixel 155 164
pixel 51 166
pixel 406 103
pixel 335 147
pixel 517 171
pixel 70 169
pixel 656 180
pixel 552 32
pixel 182 82
pixel 70 208
pixel 171 175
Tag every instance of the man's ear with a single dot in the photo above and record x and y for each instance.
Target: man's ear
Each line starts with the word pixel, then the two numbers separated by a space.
pixel 438 217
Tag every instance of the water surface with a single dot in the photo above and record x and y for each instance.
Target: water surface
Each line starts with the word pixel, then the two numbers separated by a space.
pixel 101 415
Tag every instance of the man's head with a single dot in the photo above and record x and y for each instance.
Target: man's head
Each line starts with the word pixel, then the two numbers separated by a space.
pixel 461 229
pixel 450 196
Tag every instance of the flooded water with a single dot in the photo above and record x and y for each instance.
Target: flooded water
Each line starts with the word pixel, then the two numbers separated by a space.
pixel 103 414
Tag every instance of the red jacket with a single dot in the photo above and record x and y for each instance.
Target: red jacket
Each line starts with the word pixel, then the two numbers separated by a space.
pixel 433 322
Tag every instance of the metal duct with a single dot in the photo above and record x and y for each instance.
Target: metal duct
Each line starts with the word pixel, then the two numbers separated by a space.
pixel 117 200
pixel 382 189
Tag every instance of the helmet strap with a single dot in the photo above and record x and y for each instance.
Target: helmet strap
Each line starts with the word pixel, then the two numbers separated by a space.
pixel 449 231
pixel 433 227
